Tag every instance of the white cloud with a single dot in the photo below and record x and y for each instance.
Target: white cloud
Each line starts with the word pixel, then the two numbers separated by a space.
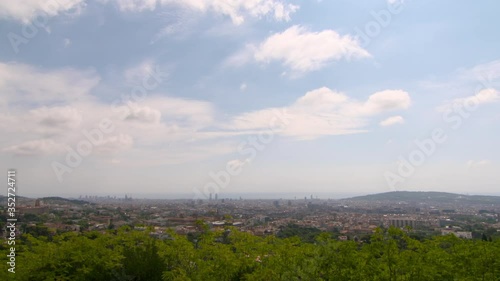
pixel 488 74
pixel 137 73
pixel 237 10
pixel 143 114
pixel 189 113
pixel 394 120
pixel 35 147
pixel 477 164
pixel 114 144
pixel 392 2
pixel 141 126
pixel 302 50
pixel 26 11
pixel 136 5
pixel 20 82
pixel 484 96
pixel 386 101
pixel 60 106
pixel 55 119
pixel 321 112
pixel 178 23
pixel 467 80
pixel 321 98
pixel 243 87
pixel 67 42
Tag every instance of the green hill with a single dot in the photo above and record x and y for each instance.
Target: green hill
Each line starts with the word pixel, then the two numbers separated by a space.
pixel 422 196
pixel 62 201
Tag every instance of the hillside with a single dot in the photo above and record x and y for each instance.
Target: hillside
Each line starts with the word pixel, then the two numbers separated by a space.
pixel 62 201
pixel 422 196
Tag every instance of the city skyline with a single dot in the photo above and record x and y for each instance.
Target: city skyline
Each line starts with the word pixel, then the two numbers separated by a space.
pixel 262 96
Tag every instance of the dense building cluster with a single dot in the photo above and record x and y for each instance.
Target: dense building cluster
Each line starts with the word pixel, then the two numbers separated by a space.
pixel 347 218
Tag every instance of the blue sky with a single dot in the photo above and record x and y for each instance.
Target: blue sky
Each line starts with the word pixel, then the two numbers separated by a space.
pixel 219 96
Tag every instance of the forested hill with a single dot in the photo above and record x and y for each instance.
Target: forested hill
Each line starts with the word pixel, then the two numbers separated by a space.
pixel 442 197
pixel 61 201
pixel 21 200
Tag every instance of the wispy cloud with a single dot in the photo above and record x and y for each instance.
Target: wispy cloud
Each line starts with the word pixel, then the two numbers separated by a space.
pixel 35 147
pixel 26 11
pixel 394 120
pixel 471 164
pixel 236 10
pixel 323 112
pixel 302 50
pixel 484 76
pixel 483 97
pixel 21 82
pixel 158 119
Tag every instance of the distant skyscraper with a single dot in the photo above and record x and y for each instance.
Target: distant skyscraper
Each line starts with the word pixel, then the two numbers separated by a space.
pixel 210 197
pixel 216 196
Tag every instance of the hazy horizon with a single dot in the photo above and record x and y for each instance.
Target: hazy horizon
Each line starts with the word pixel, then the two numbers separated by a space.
pixel 251 97
pixel 244 196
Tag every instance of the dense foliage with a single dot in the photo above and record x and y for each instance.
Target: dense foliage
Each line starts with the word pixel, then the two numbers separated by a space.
pixel 126 254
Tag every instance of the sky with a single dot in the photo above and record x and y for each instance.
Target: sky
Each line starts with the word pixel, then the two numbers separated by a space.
pixel 250 96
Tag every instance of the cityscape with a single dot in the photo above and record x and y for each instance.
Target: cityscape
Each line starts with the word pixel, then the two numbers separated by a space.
pixel 425 213
pixel 252 140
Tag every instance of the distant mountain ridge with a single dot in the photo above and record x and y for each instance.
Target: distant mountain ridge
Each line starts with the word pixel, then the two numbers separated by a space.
pixel 444 197
pixel 61 200
pixel 21 200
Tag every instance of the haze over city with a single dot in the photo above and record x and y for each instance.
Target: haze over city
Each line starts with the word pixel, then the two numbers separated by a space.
pixel 250 97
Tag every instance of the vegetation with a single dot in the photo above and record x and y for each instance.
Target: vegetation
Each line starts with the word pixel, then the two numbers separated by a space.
pixel 60 200
pixel 306 234
pixel 229 254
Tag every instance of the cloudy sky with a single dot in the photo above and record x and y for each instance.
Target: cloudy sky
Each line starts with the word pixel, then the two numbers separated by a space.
pixel 240 96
